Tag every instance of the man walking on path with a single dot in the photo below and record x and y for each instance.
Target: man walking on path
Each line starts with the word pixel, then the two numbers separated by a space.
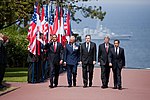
pixel 103 52
pixel 71 59
pixel 88 60
pixel 55 57
pixel 116 59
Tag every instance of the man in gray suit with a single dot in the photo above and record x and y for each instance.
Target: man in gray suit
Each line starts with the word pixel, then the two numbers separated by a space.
pixel 103 51
pixel 88 60
pixel 116 59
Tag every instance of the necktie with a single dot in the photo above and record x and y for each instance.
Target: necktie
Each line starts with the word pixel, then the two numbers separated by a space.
pixel 87 47
pixel 54 47
pixel 106 48
pixel 116 51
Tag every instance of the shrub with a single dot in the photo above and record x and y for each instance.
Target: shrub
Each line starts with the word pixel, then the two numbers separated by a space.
pixel 17 46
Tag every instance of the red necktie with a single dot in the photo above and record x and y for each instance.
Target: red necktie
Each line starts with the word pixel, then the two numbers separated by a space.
pixel 106 48
pixel 54 47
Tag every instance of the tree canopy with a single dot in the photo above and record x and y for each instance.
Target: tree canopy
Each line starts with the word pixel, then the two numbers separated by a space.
pixel 12 11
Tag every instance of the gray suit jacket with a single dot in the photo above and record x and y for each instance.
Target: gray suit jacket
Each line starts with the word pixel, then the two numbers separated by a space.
pixel 102 54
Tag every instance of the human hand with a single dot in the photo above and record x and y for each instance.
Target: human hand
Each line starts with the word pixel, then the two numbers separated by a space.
pixel 65 63
pixel 94 62
pixel 1 38
pixel 80 62
pixel 61 61
pixel 110 64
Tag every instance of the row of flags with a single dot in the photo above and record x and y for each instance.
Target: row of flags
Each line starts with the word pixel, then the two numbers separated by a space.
pixel 47 22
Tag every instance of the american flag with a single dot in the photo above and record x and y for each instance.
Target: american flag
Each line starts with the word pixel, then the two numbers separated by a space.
pixel 56 23
pixel 46 28
pixel 51 22
pixel 32 32
pixel 67 24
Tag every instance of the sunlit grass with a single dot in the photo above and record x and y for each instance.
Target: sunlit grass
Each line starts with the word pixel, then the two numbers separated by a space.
pixel 16 75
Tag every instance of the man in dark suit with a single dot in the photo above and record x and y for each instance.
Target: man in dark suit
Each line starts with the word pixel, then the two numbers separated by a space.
pixel 71 59
pixel 103 61
pixel 117 61
pixel 88 60
pixel 55 58
pixel 3 59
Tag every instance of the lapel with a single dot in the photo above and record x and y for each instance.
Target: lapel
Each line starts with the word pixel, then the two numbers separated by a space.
pixel 114 53
pixel 70 48
pixel 90 46
pixel 85 47
pixel 119 51
pixel 104 47
pixel 52 46
pixel 57 46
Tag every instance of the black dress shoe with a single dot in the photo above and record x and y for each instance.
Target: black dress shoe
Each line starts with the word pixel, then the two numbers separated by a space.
pixel 115 87
pixel 85 86
pixel 69 86
pixel 74 84
pixel 55 86
pixel 120 88
pixel 51 86
pixel 2 86
pixel 90 85
pixel 104 87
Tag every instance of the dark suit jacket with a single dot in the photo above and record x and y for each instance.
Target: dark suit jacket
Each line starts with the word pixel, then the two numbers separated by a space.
pixel 3 53
pixel 88 57
pixel 71 56
pixel 54 57
pixel 117 60
pixel 102 54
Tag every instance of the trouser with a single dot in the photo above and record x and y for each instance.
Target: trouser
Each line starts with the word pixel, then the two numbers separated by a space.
pixel 2 72
pixel 54 74
pixel 117 76
pixel 71 69
pixel 85 69
pixel 105 71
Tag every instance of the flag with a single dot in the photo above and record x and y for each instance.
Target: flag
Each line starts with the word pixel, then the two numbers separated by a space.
pixel 56 23
pixel 51 21
pixel 32 32
pixel 67 24
pixel 46 28
pixel 39 40
pixel 62 37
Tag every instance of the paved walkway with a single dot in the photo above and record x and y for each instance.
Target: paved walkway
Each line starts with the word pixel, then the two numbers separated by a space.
pixel 136 86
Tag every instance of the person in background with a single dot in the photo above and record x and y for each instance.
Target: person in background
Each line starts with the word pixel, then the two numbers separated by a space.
pixel 103 52
pixel 88 60
pixel 116 59
pixel 3 57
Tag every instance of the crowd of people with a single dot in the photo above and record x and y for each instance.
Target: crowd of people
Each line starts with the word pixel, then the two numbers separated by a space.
pixel 54 56
pixel 73 54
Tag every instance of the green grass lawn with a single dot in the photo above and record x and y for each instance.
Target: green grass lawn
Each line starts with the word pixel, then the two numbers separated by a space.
pixel 16 75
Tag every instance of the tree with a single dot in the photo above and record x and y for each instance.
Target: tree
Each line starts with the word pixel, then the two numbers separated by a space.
pixel 16 10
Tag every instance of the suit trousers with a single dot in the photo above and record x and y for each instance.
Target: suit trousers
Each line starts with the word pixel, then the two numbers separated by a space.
pixel 71 70
pixel 2 72
pixel 117 76
pixel 54 73
pixel 105 71
pixel 87 70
